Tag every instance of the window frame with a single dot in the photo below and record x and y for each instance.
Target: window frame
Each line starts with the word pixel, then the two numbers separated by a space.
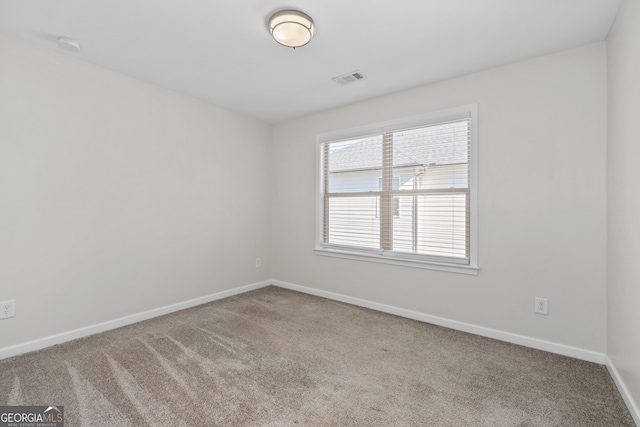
pixel 469 111
pixel 396 202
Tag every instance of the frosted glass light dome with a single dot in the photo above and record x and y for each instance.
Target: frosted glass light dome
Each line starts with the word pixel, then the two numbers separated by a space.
pixel 291 28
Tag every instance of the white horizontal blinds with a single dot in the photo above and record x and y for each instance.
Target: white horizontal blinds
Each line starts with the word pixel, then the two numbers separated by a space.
pixel 351 170
pixel 431 167
pixel 400 192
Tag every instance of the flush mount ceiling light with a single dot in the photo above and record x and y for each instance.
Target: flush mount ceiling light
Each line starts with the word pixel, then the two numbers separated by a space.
pixel 291 28
pixel 68 44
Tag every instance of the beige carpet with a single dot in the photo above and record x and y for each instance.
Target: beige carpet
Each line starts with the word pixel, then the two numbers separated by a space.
pixel 274 357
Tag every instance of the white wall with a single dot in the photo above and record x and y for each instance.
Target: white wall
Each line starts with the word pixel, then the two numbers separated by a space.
pixel 117 196
pixel 542 124
pixel 623 191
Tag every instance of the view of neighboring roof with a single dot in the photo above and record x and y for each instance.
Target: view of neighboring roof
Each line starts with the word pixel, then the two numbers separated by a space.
pixel 442 144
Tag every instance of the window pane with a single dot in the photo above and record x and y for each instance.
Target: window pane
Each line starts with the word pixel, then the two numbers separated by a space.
pixel 442 224
pixel 353 221
pixel 443 177
pixel 441 151
pixel 432 224
pixel 354 165
pixel 403 224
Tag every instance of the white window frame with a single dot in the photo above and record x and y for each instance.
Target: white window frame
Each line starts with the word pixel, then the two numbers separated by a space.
pixel 395 206
pixel 406 259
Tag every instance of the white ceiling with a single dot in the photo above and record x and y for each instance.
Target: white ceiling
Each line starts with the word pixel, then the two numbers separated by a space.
pixel 221 51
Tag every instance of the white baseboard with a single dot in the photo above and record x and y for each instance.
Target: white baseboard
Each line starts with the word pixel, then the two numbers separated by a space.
pixel 122 321
pixel 565 350
pixel 624 391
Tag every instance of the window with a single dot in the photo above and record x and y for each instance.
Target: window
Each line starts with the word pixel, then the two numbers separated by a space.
pixel 402 192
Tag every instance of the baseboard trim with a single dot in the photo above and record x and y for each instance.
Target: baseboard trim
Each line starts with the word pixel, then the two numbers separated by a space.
pixel 565 350
pixel 624 391
pixel 578 353
pixel 49 341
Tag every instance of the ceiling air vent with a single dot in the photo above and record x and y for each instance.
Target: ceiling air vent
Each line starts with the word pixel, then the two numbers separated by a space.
pixel 351 77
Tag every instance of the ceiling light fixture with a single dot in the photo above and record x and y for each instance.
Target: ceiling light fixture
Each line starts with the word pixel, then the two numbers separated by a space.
pixel 68 44
pixel 291 28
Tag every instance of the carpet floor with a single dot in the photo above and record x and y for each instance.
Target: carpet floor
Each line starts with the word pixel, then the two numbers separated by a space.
pixel 274 357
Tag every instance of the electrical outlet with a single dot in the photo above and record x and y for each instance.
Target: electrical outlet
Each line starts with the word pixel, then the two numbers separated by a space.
pixel 258 263
pixel 542 306
pixel 7 309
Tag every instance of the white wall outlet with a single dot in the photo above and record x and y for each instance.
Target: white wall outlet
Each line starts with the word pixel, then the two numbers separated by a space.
pixel 542 306
pixel 7 309
pixel 258 263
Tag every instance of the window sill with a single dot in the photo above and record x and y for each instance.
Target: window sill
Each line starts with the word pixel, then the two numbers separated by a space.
pixel 452 268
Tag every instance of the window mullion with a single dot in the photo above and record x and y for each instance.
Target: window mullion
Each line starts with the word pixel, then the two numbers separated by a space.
pixel 325 191
pixel 386 209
